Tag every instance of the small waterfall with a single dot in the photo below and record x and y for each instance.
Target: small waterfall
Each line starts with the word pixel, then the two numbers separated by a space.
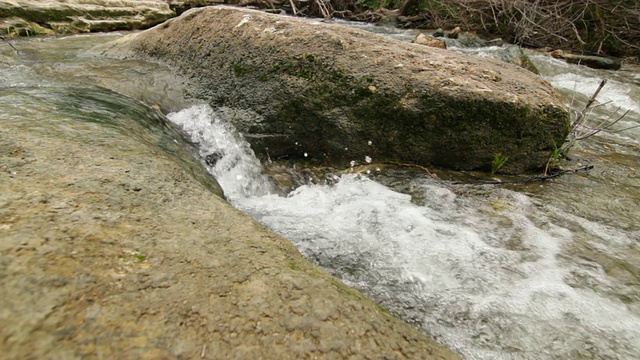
pixel 226 155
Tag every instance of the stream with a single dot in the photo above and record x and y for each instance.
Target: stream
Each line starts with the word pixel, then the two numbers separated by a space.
pixel 546 270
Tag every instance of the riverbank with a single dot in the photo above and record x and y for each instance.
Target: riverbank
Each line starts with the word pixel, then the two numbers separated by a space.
pixel 596 28
pixel 602 27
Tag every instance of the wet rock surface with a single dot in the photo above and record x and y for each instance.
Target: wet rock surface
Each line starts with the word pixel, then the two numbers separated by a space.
pixel 329 91
pixel 423 39
pixel 596 62
pixel 111 248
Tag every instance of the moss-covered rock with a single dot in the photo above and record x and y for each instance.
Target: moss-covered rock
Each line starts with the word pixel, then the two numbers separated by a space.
pixel 596 62
pixel 17 27
pixel 330 91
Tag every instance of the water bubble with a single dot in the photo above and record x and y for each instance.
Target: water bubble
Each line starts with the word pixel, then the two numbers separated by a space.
pixel 306 155
pixel 370 143
pixel 367 159
pixel 352 163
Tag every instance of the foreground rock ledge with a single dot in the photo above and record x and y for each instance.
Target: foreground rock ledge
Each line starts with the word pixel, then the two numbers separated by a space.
pixel 329 91
pixel 113 250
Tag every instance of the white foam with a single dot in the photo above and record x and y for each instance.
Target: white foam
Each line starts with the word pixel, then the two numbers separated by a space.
pixel 234 163
pixel 485 274
pixel 615 94
pixel 451 274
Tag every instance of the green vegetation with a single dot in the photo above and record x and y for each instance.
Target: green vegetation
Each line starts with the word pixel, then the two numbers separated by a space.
pixel 554 159
pixel 308 67
pixel 497 163
pixel 239 70
pixel 10 30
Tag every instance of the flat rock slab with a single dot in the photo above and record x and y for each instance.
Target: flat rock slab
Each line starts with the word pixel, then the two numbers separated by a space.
pixel 339 94
pixel 113 249
pixel 80 16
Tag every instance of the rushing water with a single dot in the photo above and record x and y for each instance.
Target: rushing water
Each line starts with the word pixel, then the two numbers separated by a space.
pixel 548 270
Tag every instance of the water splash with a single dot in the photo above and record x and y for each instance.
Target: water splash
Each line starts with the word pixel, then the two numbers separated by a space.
pixel 489 273
pixel 486 282
pixel 226 155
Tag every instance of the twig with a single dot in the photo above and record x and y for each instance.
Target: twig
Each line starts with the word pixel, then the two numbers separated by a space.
pixel 10 44
pixel 597 130
pixel 629 128
pixel 433 176
pixel 541 177
pixel 582 115
pixel 293 8
pixel 579 121
pixel 324 8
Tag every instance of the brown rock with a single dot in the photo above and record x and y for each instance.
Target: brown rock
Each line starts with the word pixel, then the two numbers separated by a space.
pixel 423 39
pixel 453 34
pixel 596 62
pixel 309 82
pixel 112 248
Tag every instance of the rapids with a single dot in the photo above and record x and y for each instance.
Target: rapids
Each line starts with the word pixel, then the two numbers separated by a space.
pixel 547 270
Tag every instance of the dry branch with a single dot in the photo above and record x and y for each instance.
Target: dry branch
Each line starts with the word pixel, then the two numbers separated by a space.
pixel 541 177
pixel 579 131
pixel 10 44
pixel 597 26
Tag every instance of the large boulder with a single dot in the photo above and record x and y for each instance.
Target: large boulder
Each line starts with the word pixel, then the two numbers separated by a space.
pixel 337 94
pixel 78 16
pixel 116 244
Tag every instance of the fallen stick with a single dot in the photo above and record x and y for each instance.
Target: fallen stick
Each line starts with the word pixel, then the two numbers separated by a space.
pixel 541 177
pixel 10 44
